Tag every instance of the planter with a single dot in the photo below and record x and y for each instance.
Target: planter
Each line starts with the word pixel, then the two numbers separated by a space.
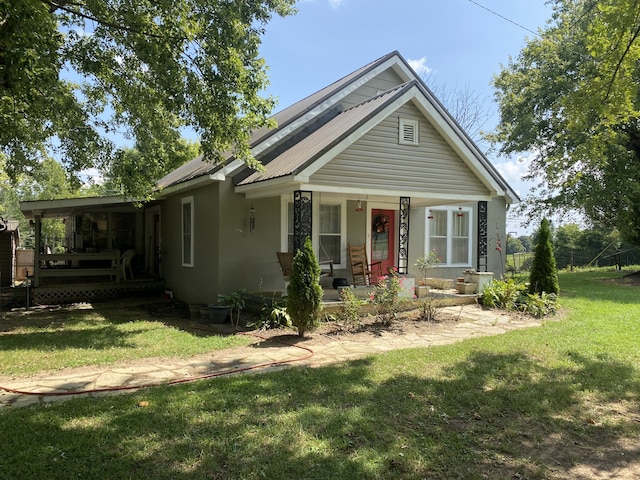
pixel 466 288
pixel 194 310
pixel 218 313
pixel 422 291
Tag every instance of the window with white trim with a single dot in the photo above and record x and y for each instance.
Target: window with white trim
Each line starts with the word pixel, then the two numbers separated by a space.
pixel 448 231
pixel 408 132
pixel 187 232
pixel 327 232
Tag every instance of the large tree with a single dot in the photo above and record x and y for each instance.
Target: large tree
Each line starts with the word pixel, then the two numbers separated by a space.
pixel 78 76
pixel 572 98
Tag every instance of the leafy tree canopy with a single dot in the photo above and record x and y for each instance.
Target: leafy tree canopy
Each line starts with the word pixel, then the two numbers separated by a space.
pixel 572 98
pixel 75 75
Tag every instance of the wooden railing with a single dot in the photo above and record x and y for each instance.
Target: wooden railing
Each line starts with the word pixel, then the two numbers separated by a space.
pixel 54 265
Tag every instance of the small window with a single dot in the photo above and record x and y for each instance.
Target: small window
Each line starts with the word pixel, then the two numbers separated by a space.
pixel 408 132
pixel 187 232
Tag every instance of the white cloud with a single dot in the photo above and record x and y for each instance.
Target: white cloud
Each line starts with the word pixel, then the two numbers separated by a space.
pixel 420 66
pixel 335 3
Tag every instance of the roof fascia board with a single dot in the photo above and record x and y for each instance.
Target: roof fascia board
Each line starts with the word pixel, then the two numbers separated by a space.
pixel 193 183
pixel 66 203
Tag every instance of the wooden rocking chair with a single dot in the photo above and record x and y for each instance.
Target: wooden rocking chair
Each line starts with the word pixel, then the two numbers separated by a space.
pixel 285 259
pixel 361 269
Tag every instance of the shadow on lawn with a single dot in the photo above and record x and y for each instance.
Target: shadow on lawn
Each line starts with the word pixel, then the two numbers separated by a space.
pixel 487 416
pixel 100 338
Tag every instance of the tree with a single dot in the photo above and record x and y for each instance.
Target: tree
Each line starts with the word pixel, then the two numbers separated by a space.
pixel 465 106
pixel 572 97
pixel 514 245
pixel 304 301
pixel 76 76
pixel 544 274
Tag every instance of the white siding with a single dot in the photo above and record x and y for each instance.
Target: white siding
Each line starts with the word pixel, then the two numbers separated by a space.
pixel 377 160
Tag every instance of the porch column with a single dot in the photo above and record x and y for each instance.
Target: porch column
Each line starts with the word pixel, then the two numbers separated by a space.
pixel 482 236
pixel 37 249
pixel 403 235
pixel 302 216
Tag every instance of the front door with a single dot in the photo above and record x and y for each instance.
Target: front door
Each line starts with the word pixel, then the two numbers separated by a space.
pixel 383 239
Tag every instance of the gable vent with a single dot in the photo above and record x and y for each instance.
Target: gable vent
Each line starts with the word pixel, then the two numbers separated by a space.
pixel 408 132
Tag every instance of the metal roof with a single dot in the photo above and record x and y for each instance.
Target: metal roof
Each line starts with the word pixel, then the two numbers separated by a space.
pixel 310 148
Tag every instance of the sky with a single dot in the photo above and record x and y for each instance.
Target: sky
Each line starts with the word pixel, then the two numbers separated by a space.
pixel 461 44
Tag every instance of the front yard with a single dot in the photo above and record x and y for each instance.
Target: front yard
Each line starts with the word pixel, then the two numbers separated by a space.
pixel 559 401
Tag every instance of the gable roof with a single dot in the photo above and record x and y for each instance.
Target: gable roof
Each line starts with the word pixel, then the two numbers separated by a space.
pixel 287 120
pixel 286 152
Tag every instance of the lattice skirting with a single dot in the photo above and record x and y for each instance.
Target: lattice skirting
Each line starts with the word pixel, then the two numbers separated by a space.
pixel 89 292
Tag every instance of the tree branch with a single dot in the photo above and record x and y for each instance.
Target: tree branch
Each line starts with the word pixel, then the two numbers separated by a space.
pixel 62 5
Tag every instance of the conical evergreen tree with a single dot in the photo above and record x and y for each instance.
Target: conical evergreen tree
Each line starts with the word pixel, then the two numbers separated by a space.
pixel 544 274
pixel 304 302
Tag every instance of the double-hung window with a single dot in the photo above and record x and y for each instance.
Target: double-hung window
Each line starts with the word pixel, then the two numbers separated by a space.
pixel 187 232
pixel 330 233
pixel 448 230
pixel 328 228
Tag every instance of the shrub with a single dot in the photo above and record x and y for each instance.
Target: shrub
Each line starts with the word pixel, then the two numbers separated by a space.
pixel 350 307
pixel 272 317
pixel 304 302
pixel 540 304
pixel 505 294
pixel 544 274
pixel 512 295
pixel 428 309
pixel 385 297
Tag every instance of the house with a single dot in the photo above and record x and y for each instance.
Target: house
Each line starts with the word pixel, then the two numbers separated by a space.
pixel 9 240
pixel 374 159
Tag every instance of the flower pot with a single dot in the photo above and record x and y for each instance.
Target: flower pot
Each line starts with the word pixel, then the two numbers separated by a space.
pixel 422 291
pixel 194 310
pixel 218 313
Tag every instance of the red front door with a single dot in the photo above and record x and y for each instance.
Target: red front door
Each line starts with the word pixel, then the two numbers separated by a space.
pixel 383 239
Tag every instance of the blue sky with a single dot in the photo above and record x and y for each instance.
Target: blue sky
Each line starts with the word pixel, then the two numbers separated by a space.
pixel 459 42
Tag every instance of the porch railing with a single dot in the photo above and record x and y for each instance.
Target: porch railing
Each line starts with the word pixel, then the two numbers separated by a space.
pixel 57 265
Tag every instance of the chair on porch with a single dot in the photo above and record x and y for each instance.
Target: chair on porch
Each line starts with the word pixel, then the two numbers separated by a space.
pixel 285 259
pixel 361 269
pixel 125 263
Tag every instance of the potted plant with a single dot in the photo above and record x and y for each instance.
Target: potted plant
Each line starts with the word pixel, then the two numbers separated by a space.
pixel 424 264
pixel 234 302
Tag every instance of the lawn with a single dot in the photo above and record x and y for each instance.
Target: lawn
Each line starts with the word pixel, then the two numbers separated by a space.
pixel 48 340
pixel 554 402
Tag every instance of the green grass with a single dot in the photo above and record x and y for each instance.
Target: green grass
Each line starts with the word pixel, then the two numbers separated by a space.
pixel 77 338
pixel 558 401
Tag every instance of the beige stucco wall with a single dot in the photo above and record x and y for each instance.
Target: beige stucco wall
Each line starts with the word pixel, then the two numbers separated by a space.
pixel 228 256
pixel 197 284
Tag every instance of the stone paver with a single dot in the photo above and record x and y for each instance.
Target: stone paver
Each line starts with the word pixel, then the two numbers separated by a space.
pixel 472 322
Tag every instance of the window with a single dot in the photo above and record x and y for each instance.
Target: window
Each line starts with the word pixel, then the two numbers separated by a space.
pixel 408 134
pixel 449 234
pixel 328 225
pixel 329 233
pixel 187 232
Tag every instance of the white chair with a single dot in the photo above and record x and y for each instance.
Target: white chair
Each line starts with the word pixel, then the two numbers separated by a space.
pixel 125 263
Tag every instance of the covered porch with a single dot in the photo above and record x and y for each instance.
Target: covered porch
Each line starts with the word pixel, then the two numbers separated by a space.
pixel 102 247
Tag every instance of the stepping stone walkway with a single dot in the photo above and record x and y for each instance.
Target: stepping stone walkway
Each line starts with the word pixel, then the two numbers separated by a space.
pixel 265 355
